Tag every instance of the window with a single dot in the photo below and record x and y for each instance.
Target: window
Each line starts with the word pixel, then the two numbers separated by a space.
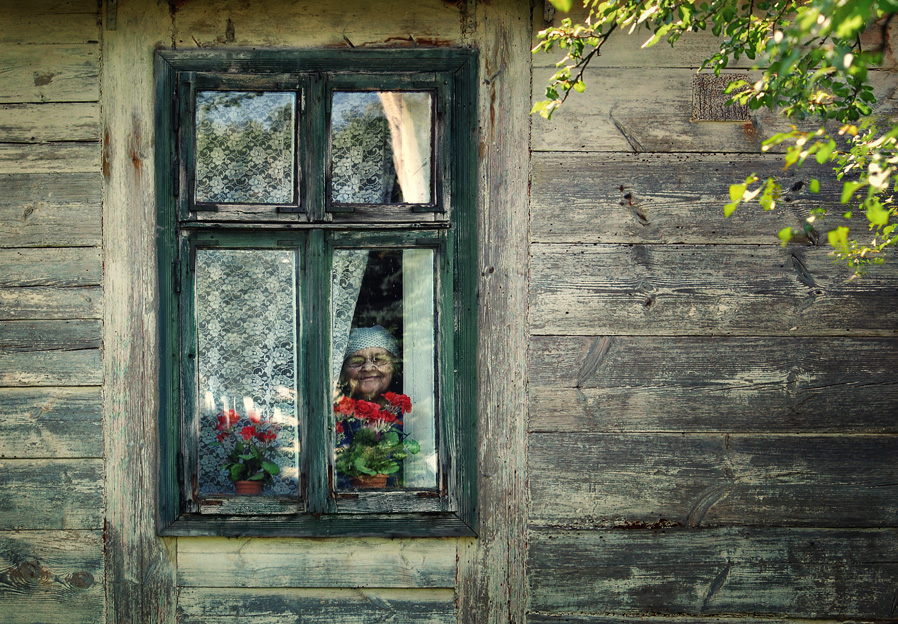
pixel 316 254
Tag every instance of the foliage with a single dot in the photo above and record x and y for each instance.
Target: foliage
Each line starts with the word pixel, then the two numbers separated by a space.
pixel 372 439
pixel 249 457
pixel 813 66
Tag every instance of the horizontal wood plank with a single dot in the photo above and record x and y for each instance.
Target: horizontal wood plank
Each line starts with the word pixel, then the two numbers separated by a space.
pixel 50 303
pixel 584 480
pixel 49 73
pixel 51 209
pixel 49 158
pixel 40 123
pixel 724 384
pixel 802 573
pixel 569 618
pixel 56 266
pixel 696 290
pixel 205 24
pixel 51 494
pixel 51 368
pixel 30 336
pixel 316 606
pixel 51 422
pixel 52 576
pixel 356 562
pixel 650 110
pixel 664 198
pixel 64 26
pixel 47 7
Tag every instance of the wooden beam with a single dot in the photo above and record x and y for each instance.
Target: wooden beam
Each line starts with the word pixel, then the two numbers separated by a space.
pixel 616 384
pixel 51 576
pixel 584 480
pixel 805 573
pixel 42 494
pixel 696 290
pixel 53 209
pixel 34 123
pixel 51 422
pixel 341 562
pixel 59 73
pixel 50 303
pixel 492 583
pixel 316 606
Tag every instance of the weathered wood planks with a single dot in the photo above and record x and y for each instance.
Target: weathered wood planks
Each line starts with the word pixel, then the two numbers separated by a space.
pixel 311 24
pixel 667 198
pixel 346 562
pixel 713 384
pixel 813 573
pixel 51 494
pixel 57 157
pixel 52 576
pixel 347 606
pixel 49 73
pixel 51 368
pixel 713 480
pixel 53 209
pixel 69 335
pixel 51 422
pixel 650 110
pixel 50 303
pixel 65 267
pixel 674 289
pixel 31 123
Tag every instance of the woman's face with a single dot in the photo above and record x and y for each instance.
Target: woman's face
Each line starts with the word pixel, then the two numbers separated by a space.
pixel 368 372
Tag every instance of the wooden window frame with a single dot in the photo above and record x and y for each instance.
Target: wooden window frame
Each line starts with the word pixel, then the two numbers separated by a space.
pixel 316 226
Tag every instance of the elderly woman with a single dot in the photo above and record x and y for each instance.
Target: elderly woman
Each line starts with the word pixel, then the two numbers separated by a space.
pixel 370 366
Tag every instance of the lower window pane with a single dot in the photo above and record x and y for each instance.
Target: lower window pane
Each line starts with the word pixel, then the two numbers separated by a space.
pixel 246 370
pixel 384 369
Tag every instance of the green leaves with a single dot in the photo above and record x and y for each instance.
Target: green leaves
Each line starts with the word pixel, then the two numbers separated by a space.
pixel 562 5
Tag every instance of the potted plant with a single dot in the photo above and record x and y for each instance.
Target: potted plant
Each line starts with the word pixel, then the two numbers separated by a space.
pixel 370 440
pixel 249 461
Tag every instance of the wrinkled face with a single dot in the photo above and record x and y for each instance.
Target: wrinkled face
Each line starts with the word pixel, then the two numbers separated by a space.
pixel 368 372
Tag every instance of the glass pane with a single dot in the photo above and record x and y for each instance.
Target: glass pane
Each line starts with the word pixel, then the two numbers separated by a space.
pixel 244 147
pixel 246 369
pixel 381 147
pixel 384 369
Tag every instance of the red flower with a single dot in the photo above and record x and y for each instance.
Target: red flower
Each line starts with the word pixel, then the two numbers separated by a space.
pixel 248 432
pixel 365 410
pixel 222 436
pixel 266 436
pixel 399 400
pixel 339 427
pixel 254 417
pixel 222 422
pixel 345 406
pixel 231 415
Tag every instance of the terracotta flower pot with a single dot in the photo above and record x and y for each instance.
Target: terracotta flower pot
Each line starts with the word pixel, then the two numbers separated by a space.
pixel 250 488
pixel 370 482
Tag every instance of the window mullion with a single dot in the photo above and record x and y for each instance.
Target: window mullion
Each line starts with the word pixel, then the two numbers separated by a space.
pixel 316 340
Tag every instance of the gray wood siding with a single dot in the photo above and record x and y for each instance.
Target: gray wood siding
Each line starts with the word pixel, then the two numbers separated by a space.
pixel 51 430
pixel 711 429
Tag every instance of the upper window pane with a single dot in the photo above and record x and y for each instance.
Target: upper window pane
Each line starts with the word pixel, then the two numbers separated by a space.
pixel 245 142
pixel 381 147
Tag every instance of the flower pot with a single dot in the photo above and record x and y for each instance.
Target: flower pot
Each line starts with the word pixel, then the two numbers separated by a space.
pixel 370 482
pixel 250 488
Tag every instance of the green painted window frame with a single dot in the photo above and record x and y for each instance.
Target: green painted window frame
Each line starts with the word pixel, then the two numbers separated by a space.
pixel 314 227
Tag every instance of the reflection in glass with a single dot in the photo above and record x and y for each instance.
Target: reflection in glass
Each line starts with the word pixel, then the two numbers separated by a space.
pixel 381 147
pixel 384 368
pixel 246 362
pixel 244 147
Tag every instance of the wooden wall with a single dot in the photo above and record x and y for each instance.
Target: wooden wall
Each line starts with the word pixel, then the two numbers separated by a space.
pixel 712 422
pixel 206 580
pixel 51 430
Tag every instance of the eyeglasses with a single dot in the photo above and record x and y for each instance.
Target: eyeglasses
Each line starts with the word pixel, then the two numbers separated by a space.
pixel 380 360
